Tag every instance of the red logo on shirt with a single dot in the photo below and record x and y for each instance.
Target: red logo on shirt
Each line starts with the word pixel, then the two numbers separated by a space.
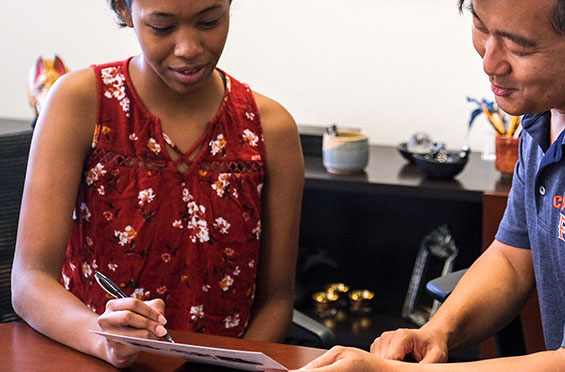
pixel 561 226
pixel 558 202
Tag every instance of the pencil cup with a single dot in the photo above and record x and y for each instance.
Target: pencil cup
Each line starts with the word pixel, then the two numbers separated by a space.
pixel 345 152
pixel 506 149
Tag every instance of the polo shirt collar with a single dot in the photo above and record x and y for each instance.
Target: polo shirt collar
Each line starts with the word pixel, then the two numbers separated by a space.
pixel 538 126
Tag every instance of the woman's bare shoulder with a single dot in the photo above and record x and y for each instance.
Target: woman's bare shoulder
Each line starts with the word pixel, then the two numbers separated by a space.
pixel 71 107
pixel 282 141
pixel 77 87
pixel 275 119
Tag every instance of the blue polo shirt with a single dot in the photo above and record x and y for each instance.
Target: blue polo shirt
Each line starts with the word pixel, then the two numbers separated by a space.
pixel 535 219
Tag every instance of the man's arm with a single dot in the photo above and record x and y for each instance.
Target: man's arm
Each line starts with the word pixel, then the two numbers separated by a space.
pixel 490 294
pixel 488 297
pixel 340 359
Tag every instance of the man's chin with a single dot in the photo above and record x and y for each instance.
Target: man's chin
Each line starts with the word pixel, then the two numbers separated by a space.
pixel 510 108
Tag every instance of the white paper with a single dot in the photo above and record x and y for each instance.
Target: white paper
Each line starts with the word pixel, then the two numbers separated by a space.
pixel 243 360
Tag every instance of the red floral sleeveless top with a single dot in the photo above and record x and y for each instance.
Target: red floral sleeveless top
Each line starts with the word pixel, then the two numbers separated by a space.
pixel 189 238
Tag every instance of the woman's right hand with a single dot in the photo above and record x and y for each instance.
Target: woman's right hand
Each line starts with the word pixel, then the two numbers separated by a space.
pixel 131 317
pixel 420 344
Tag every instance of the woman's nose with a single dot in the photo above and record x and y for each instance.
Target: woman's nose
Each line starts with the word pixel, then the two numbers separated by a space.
pixel 188 44
pixel 495 61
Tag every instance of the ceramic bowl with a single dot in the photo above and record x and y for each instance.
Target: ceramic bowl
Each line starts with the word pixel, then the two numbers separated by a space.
pixel 403 150
pixel 345 152
pixel 450 166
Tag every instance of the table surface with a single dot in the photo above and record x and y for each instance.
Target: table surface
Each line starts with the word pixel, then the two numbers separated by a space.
pixel 24 349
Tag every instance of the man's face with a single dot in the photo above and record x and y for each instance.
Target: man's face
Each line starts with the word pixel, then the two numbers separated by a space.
pixel 523 55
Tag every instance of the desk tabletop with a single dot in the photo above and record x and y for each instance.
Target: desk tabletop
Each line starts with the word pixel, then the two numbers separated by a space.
pixel 389 173
pixel 24 349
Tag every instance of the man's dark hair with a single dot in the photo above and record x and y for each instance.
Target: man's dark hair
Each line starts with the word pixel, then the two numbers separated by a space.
pixel 557 17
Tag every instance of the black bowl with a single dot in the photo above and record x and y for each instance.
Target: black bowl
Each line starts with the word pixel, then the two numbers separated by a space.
pixel 403 150
pixel 442 170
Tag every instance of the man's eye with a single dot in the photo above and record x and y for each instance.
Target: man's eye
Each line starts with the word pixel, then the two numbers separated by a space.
pixel 519 53
pixel 481 29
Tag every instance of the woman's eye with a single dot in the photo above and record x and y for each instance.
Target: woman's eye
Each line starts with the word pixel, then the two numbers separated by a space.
pixel 162 30
pixel 210 24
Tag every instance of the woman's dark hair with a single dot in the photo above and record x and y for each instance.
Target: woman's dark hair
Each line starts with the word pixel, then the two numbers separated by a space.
pixel 119 19
pixel 557 18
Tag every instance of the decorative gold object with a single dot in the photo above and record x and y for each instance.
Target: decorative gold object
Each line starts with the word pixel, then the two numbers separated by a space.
pixel 325 303
pixel 341 289
pixel 360 301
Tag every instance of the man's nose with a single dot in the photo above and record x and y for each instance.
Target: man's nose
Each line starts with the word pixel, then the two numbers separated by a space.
pixel 495 61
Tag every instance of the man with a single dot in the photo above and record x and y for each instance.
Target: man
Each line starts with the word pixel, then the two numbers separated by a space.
pixel 522 44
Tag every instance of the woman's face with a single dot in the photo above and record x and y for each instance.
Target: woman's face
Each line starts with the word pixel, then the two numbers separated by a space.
pixel 181 40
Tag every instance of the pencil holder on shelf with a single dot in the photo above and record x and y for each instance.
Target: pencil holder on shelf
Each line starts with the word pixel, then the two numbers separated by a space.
pixel 506 149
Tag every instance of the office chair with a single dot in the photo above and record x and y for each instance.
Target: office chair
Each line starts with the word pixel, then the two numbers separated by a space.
pixel 14 150
pixel 440 288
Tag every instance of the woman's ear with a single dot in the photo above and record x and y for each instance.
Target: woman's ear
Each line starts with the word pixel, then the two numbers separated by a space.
pixel 124 11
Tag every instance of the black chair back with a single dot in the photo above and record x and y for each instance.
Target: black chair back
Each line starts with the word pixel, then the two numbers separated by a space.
pixel 14 151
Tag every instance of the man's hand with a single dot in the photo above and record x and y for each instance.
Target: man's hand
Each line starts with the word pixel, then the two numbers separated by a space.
pixel 420 344
pixel 346 359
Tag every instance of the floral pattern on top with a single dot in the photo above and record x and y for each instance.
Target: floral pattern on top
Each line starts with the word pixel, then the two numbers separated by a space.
pixel 191 238
pixel 114 83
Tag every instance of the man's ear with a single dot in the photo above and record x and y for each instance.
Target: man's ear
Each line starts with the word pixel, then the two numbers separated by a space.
pixel 124 12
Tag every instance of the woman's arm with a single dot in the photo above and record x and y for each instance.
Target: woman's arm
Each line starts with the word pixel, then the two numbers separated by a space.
pixel 282 202
pixel 61 142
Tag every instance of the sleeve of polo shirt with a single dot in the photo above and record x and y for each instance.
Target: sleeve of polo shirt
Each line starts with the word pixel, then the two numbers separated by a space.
pixel 513 229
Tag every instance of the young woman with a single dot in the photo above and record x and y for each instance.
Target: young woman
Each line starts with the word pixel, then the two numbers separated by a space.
pixel 170 177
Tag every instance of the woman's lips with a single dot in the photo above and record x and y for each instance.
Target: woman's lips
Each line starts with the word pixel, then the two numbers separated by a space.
pixel 188 75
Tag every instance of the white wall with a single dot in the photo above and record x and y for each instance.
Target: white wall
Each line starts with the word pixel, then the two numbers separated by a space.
pixel 389 67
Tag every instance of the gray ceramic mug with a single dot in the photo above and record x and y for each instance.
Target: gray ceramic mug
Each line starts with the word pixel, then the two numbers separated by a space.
pixel 345 151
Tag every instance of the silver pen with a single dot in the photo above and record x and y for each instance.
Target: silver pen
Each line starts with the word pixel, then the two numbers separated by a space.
pixel 115 291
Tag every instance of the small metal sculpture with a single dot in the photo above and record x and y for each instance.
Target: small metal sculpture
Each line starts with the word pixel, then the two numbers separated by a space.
pixel 437 244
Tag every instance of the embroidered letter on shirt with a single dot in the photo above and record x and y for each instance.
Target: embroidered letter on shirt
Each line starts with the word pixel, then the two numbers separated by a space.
pixel 561 226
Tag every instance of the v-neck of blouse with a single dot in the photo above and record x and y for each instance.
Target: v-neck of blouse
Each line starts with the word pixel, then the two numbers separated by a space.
pixel 163 139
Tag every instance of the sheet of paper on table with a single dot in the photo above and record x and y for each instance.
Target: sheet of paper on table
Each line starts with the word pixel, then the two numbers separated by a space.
pixel 243 360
